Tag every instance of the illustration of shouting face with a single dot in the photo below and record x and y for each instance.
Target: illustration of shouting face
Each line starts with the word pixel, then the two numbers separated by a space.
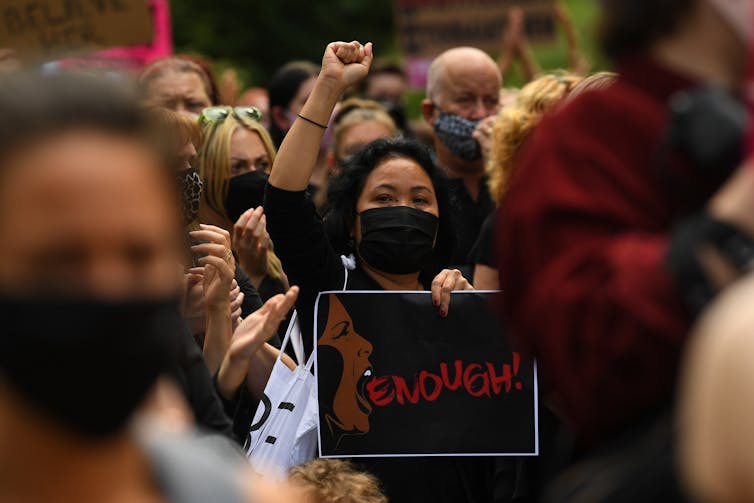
pixel 339 343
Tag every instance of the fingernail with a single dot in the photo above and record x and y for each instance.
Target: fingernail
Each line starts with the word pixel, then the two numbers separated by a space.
pixel 435 303
pixel 443 313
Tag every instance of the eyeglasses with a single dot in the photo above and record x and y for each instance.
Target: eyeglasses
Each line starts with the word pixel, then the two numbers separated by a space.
pixel 215 115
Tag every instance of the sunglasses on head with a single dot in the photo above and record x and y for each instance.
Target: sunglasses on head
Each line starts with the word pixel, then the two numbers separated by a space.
pixel 215 115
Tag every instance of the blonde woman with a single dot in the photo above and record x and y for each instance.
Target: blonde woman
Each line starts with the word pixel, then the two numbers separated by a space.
pixel 513 126
pixel 234 159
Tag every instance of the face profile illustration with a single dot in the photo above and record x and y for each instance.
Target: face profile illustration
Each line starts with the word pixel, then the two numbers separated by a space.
pixel 346 408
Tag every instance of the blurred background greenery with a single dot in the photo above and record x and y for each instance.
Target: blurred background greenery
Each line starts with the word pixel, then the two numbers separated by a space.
pixel 255 37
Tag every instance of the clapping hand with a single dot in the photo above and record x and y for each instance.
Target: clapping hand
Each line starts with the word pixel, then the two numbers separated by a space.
pixel 252 242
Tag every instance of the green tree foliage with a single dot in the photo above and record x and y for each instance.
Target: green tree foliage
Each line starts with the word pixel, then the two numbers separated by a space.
pixel 256 36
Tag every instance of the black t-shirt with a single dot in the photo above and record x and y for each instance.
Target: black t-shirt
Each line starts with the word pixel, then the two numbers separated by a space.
pixel 311 263
pixel 484 250
pixel 467 216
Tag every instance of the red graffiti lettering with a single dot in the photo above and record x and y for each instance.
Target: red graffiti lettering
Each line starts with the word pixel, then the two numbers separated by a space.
pixel 379 391
pixel 498 381
pixel 480 389
pixel 446 380
pixel 402 392
pixel 477 380
pixel 437 382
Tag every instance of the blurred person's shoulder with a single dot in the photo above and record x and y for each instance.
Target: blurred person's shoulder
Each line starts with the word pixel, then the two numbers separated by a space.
pixel 194 468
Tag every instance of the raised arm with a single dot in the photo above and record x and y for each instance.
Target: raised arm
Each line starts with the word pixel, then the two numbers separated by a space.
pixel 343 65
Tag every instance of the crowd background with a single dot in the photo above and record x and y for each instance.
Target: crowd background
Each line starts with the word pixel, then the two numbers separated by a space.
pixel 196 24
pixel 584 194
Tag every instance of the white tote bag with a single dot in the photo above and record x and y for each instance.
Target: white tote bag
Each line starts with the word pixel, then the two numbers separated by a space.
pixel 284 431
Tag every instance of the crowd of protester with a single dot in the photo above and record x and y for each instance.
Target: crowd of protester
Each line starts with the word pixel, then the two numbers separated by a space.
pixel 158 234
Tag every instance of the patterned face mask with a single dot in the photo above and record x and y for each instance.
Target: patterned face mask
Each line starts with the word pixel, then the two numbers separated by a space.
pixel 190 186
pixel 455 133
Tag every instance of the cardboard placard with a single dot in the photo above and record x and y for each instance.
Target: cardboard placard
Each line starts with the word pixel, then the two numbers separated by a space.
pixel 132 58
pixel 47 29
pixel 395 379
pixel 429 27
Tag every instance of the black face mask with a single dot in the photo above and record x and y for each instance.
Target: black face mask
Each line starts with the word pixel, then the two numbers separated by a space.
pixel 86 364
pixel 244 192
pixel 190 186
pixel 397 239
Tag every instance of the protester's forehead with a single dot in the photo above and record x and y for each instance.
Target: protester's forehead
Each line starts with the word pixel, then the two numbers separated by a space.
pixel 172 83
pixel 399 172
pixel 361 134
pixel 468 70
pixel 85 166
pixel 471 77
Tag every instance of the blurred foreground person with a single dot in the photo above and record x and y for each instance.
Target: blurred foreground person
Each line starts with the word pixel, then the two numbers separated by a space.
pixel 626 213
pixel 463 95
pixel 90 287
pixel 715 414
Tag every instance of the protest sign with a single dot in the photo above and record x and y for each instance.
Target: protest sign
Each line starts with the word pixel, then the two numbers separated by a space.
pixel 132 58
pixel 428 27
pixel 47 29
pixel 396 379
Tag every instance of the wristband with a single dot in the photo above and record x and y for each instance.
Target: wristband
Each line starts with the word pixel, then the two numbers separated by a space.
pixel 312 122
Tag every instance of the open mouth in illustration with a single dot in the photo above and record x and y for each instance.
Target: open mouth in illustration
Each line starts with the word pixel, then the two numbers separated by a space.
pixel 361 395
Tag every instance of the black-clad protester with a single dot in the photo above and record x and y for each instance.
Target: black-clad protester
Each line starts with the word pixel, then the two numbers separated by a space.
pixel 390 189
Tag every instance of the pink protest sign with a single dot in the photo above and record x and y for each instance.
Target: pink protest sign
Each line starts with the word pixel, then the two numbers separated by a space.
pixel 134 57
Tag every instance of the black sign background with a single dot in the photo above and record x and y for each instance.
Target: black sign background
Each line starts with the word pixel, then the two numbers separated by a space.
pixel 408 336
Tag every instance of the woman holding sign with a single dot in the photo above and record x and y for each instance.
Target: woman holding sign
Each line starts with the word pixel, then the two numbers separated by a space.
pixel 389 209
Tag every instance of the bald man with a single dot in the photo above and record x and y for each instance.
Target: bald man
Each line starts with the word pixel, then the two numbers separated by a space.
pixel 463 89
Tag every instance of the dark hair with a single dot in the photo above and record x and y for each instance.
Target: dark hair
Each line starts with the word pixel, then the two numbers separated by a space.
pixel 283 88
pixel 381 68
pixel 35 107
pixel 631 26
pixel 345 190
pixel 181 64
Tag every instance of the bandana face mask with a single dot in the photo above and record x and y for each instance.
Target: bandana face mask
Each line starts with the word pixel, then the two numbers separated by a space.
pixel 455 133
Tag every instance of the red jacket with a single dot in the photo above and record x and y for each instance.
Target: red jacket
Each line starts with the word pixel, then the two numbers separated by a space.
pixel 583 232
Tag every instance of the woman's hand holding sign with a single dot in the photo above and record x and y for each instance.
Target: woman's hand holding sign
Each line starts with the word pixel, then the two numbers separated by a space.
pixel 444 283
